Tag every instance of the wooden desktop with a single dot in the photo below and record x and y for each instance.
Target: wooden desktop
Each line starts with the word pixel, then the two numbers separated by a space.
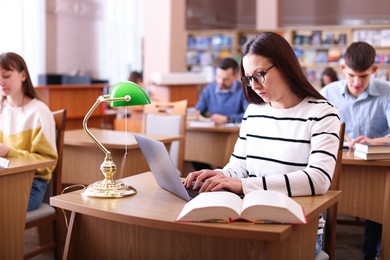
pixel 143 227
pixel 366 193
pixel 82 156
pixel 15 187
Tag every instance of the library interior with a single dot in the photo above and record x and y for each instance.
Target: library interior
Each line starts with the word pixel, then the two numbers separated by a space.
pixel 174 49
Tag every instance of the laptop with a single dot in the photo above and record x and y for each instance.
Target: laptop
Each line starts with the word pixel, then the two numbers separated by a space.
pixel 162 167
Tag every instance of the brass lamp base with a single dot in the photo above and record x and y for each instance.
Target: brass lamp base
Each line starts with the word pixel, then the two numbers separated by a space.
pixel 108 189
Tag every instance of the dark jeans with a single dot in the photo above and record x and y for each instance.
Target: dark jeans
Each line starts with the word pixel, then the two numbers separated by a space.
pixel 37 193
pixel 372 239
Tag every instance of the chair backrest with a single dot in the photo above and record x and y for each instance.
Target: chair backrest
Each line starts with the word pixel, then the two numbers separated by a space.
pixel 331 213
pixel 55 185
pixel 167 118
pixel 335 185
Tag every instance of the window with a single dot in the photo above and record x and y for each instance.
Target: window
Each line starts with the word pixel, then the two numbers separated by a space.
pixel 22 24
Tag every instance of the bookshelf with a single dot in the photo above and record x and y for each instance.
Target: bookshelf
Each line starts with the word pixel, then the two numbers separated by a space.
pixel 207 47
pixel 379 38
pixel 316 47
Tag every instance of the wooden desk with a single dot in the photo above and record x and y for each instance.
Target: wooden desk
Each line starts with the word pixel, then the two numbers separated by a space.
pixel 77 99
pixel 15 187
pixel 82 156
pixel 212 145
pixel 366 193
pixel 143 227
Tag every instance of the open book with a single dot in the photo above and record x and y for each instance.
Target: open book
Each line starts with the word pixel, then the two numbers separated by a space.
pixel 257 206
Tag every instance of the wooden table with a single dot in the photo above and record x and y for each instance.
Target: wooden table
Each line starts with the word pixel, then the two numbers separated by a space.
pixel 15 188
pixel 143 227
pixel 366 193
pixel 82 156
pixel 212 145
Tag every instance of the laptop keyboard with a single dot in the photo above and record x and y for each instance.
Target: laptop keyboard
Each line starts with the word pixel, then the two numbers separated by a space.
pixel 192 193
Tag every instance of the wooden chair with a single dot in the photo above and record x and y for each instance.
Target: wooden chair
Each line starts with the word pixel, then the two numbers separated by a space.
pixel 47 214
pixel 167 118
pixel 331 213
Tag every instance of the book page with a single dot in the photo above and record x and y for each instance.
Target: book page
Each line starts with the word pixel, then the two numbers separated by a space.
pixel 201 123
pixel 269 206
pixel 4 163
pixel 207 206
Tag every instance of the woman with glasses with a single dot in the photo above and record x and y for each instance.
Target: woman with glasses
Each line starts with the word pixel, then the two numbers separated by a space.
pixel 288 139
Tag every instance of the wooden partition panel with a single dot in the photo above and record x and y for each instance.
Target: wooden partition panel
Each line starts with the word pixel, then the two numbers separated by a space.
pixel 77 100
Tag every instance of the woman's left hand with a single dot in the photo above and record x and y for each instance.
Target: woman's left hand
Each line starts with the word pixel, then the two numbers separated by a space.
pixel 3 150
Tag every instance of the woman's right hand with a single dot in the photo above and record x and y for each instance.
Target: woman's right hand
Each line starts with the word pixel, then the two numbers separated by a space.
pixel 199 177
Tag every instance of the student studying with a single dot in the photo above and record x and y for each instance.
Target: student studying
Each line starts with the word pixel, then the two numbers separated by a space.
pixel 257 206
pixel 364 105
pixel 288 138
pixel 27 127
pixel 222 101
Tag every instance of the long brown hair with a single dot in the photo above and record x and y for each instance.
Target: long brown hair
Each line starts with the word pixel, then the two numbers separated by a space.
pixel 13 61
pixel 279 52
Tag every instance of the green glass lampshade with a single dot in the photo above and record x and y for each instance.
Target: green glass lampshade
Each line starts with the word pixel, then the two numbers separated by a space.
pixel 128 88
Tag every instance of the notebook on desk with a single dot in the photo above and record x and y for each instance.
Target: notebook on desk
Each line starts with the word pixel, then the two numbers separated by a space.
pixel 162 167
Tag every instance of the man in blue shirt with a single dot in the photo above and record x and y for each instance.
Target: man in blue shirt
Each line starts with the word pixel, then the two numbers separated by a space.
pixel 364 105
pixel 223 101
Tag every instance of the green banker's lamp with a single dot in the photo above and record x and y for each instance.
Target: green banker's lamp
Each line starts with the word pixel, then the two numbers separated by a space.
pixel 122 94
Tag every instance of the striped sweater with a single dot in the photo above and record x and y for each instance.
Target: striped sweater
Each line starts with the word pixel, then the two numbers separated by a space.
pixel 29 132
pixel 292 151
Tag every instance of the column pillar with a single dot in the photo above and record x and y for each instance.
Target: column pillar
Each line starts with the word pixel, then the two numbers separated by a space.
pixel 165 37
pixel 268 14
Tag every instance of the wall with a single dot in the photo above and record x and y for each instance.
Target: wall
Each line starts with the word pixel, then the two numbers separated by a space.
pixel 245 14
pixel 72 37
pixel 102 39
pixel 204 14
pixel 165 38
pixel 333 12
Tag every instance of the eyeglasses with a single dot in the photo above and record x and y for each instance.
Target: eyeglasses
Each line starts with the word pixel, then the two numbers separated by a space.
pixel 259 77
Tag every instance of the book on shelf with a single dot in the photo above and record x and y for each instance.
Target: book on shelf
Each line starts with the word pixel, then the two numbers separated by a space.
pixel 371 156
pixel 342 40
pixel 334 55
pixel 329 38
pixel 383 147
pixel 321 56
pixel 316 38
pixel 257 206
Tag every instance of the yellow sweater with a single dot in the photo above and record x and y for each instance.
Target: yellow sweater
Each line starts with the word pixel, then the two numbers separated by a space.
pixel 29 132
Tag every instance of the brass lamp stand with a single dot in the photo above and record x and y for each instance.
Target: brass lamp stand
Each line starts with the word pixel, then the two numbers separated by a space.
pixel 129 94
